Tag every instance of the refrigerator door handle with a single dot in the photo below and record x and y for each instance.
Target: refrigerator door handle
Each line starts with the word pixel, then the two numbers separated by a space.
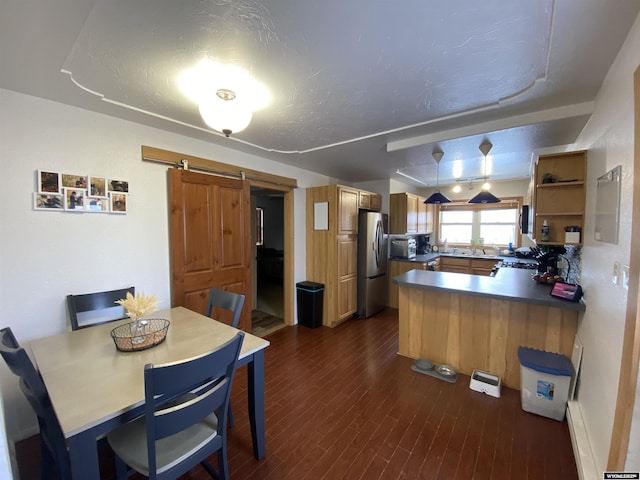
pixel 377 242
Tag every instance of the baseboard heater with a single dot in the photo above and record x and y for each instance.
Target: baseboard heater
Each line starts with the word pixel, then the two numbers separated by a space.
pixel 580 442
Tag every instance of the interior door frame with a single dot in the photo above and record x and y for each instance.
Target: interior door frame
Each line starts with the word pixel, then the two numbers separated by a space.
pixel 288 240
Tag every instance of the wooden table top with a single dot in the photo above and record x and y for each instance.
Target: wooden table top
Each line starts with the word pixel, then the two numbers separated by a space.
pixel 90 381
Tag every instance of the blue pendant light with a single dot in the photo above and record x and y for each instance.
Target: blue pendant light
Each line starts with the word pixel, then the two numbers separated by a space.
pixel 485 196
pixel 437 197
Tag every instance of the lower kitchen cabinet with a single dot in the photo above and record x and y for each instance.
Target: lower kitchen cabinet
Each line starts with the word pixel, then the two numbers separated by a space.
pixel 481 266
pixel 398 268
pixel 347 274
pixel 347 297
pixel 473 266
pixel 455 264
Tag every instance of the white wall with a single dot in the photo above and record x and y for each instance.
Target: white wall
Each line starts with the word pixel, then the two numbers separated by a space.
pixel 609 138
pixel 45 255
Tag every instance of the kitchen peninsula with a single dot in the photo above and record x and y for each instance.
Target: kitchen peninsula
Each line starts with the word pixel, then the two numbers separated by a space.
pixel 478 322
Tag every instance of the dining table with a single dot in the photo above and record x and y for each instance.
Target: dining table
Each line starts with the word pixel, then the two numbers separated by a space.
pixel 95 387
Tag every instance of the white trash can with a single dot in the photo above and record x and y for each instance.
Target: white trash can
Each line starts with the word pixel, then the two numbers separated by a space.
pixel 545 378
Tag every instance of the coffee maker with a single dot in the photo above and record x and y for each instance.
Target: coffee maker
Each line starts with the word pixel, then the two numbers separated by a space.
pixel 548 260
pixel 422 244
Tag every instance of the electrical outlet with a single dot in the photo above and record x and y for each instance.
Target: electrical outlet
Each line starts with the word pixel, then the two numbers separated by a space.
pixel 615 278
pixel 625 277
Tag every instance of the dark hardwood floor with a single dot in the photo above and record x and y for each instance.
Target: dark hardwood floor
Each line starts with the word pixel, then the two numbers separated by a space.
pixel 341 404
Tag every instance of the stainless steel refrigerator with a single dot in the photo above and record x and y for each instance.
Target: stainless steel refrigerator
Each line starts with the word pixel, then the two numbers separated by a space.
pixel 372 263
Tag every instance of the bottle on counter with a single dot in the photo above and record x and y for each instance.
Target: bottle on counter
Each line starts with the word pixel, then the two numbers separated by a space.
pixel 545 232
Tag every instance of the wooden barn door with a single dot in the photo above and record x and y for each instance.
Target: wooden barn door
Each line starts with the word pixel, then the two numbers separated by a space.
pixel 210 240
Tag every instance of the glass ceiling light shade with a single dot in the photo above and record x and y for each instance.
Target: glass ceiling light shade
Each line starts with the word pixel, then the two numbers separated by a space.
pixel 225 116
pixel 437 197
pixel 485 196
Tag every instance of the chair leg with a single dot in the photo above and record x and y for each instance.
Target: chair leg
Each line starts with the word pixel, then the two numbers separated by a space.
pixel 207 466
pixel 232 422
pixel 122 469
pixel 223 467
pixel 47 465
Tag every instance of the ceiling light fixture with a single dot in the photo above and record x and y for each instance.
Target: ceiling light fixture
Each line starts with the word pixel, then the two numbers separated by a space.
pixel 485 196
pixel 457 188
pixel 437 197
pixel 226 94
pixel 224 114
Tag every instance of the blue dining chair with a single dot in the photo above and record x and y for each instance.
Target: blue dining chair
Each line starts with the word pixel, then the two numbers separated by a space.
pixel 89 309
pixel 55 456
pixel 178 429
pixel 227 301
pixel 233 302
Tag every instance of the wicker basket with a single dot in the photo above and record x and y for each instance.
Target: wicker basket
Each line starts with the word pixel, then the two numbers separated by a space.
pixel 149 333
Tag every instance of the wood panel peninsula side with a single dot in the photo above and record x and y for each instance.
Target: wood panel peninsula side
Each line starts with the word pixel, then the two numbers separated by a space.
pixel 478 322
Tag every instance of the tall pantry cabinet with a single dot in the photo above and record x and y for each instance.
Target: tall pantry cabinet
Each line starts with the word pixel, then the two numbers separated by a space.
pixel 332 246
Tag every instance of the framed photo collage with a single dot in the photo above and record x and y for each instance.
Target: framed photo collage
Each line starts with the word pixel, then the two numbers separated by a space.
pixel 80 193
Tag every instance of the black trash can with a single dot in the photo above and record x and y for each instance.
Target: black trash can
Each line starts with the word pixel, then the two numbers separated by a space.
pixel 310 298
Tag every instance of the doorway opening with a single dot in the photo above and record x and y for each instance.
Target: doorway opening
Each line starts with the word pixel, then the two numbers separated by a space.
pixel 267 311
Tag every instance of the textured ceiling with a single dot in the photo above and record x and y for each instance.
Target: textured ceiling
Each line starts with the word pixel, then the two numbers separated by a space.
pixel 361 89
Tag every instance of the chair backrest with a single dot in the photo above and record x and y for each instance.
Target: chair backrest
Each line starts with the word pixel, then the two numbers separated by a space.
pixel 205 383
pixel 227 301
pixel 91 309
pixel 34 389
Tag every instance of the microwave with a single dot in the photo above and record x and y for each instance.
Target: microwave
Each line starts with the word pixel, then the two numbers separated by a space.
pixel 403 247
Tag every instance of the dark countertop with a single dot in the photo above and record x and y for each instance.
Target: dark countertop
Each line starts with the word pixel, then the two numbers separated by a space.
pixel 418 258
pixel 511 284
pixel 432 256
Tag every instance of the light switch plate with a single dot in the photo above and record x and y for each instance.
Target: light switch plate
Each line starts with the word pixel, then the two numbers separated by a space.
pixel 625 277
pixel 615 278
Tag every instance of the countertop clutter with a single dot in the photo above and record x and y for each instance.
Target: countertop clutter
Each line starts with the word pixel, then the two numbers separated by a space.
pixel 512 284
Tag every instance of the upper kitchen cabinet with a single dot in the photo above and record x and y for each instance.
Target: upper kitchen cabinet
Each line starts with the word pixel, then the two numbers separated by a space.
pixel 425 216
pixel 369 201
pixel 409 214
pixel 348 201
pixel 559 196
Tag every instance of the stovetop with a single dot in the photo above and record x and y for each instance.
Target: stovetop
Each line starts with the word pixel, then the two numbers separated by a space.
pixel 517 264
